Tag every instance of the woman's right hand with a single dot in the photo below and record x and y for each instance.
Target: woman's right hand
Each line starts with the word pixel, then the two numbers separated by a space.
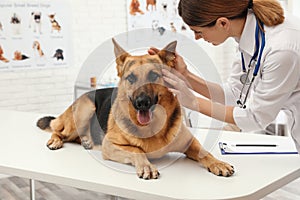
pixel 180 65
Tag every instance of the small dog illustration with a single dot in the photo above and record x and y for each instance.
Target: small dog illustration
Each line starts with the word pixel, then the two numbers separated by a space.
pixel 156 27
pixel 164 11
pixel 35 22
pixel 161 30
pixel 58 54
pixel 165 6
pixel 155 24
pixel 16 24
pixel 19 56
pixel 54 24
pixel 173 29
pixel 135 7
pixel 152 3
pixel 2 58
pixel 37 49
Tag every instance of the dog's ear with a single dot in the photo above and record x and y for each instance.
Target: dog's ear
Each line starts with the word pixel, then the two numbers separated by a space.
pixel 121 55
pixel 167 54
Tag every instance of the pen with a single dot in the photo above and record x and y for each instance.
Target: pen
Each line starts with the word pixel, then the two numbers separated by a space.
pixel 255 145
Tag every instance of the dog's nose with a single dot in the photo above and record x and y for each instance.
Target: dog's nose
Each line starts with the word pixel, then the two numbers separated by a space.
pixel 143 102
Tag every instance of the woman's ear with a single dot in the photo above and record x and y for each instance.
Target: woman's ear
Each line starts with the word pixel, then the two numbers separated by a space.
pixel 223 22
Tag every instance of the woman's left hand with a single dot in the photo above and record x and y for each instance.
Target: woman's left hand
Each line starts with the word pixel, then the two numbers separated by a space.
pixel 180 88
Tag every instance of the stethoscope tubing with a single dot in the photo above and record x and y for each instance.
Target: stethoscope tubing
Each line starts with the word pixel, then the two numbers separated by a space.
pixel 258 52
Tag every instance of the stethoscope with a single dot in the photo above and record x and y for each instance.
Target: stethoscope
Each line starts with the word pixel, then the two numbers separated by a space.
pixel 245 77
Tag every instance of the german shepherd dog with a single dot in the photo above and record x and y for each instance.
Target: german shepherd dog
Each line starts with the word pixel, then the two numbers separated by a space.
pixel 140 119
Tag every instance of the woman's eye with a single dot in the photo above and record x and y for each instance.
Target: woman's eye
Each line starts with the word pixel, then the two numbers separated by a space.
pixel 131 78
pixel 153 76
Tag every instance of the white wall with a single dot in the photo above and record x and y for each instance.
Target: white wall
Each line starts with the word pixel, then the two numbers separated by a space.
pixel 51 90
pixel 294 7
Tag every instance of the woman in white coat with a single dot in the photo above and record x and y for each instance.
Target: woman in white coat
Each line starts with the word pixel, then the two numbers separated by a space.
pixel 264 79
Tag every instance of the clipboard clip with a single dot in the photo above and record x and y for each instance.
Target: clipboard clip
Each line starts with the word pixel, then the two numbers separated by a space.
pixel 223 146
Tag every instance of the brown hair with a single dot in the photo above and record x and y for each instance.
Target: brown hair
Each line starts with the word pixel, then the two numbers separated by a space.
pixel 206 12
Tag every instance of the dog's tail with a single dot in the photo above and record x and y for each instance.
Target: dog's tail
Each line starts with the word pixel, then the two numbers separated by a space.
pixel 44 123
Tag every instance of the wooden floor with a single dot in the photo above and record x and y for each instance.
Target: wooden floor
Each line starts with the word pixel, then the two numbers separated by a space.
pixel 15 188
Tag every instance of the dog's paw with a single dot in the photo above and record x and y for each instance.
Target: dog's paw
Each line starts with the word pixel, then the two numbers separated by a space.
pixel 221 169
pixel 54 144
pixel 147 172
pixel 87 144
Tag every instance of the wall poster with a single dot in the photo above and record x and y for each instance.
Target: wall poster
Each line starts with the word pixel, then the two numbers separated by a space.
pixel 159 15
pixel 34 34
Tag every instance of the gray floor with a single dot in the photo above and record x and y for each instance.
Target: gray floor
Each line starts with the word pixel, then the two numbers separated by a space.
pixel 15 188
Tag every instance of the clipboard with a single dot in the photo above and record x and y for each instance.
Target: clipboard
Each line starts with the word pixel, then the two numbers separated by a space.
pixel 238 148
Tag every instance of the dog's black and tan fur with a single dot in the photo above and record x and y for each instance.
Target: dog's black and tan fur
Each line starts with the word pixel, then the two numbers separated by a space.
pixel 141 119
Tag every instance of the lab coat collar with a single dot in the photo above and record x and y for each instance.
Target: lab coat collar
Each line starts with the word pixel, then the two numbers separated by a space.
pixel 247 40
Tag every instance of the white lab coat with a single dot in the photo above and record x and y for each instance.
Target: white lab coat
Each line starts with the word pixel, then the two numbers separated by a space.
pixel 277 85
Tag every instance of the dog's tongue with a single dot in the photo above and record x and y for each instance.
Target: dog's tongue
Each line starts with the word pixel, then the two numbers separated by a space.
pixel 144 117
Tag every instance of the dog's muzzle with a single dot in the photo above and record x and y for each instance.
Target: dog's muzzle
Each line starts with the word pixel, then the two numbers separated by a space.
pixel 37 18
pixel 144 105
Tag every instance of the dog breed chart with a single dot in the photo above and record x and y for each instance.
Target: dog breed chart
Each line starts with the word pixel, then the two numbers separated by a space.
pixel 34 35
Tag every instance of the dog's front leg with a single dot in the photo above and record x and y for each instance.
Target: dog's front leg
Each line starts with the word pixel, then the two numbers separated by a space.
pixel 198 153
pixel 83 110
pixel 130 155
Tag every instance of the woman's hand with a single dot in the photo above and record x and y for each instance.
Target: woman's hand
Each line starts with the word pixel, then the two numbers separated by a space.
pixel 180 65
pixel 153 51
pixel 180 89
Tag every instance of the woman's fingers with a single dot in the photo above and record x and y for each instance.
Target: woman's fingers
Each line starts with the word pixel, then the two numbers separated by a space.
pixel 170 81
pixel 169 74
pixel 174 91
pixel 174 78
pixel 153 51
pixel 180 89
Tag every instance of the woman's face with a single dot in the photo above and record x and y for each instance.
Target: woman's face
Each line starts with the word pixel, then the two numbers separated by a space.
pixel 215 35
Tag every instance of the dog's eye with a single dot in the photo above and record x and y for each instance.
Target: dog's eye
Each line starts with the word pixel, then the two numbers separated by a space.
pixel 131 78
pixel 153 76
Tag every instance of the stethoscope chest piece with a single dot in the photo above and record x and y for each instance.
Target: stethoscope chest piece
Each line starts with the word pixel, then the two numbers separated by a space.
pixel 245 79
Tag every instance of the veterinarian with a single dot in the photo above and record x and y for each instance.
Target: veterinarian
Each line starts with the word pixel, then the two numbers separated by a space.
pixel 265 78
